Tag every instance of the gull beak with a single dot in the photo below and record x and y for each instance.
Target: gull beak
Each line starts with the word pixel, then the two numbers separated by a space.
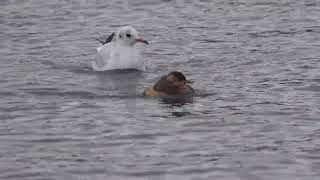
pixel 142 40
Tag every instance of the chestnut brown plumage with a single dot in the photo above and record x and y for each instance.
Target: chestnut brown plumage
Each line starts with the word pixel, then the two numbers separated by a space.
pixel 175 83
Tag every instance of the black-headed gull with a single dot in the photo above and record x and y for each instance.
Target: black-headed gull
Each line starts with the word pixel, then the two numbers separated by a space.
pixel 118 51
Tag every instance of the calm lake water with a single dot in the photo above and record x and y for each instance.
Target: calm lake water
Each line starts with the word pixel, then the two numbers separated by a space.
pixel 255 65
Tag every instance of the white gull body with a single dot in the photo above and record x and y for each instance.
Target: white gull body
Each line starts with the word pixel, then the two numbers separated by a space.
pixel 121 52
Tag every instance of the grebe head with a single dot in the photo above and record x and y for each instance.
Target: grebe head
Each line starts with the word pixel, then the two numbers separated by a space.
pixel 178 79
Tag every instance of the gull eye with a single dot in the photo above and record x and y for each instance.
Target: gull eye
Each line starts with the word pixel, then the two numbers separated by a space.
pixel 128 35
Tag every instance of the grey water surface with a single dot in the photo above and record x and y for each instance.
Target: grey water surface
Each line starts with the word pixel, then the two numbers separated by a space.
pixel 255 65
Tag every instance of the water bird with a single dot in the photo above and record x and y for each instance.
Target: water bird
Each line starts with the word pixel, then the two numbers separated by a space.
pixel 118 51
pixel 172 84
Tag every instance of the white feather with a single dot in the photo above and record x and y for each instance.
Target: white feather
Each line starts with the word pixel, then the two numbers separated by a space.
pixel 119 54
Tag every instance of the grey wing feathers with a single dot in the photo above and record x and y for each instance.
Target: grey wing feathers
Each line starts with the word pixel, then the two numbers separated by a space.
pixel 108 40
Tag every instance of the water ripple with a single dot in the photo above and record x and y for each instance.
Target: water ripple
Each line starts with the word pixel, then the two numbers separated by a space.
pixel 255 67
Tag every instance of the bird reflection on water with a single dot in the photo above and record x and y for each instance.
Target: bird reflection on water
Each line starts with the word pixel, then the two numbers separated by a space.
pixel 176 103
pixel 121 82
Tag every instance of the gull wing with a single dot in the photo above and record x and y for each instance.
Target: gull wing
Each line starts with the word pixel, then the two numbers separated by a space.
pixel 103 56
pixel 108 39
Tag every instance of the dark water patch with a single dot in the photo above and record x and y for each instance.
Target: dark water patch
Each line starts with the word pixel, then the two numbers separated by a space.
pixel 236 3
pixel 267 103
pixel 160 116
pixel 232 108
pixel 165 164
pixel 142 136
pixel 181 114
pixel 271 33
pixel 40 89
pixel 315 29
pixel 16 108
pixel 207 156
pixel 162 54
pixel 195 123
pixel 114 144
pixel 88 105
pixel 5 116
pixel 266 3
pixel 204 94
pixel 142 173
pixel 260 148
pixel 313 88
pixel 177 101
pixel 198 129
pixel 80 94
pixel 250 63
pixel 121 75
pixel 88 171
pixel 306 66
pixel 39 48
pixel 192 27
pixel 273 51
pixel 272 113
pixel 144 4
pixel 54 140
pixel 24 174
pixel 58 92
pixel 317 80
pixel 194 170
pixel 71 68
pixel 291 82
pixel 6 94
pixel 214 41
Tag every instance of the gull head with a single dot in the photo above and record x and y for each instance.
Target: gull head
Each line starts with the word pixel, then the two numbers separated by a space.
pixel 127 35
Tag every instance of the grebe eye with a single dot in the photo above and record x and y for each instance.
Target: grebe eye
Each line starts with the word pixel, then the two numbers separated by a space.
pixel 128 35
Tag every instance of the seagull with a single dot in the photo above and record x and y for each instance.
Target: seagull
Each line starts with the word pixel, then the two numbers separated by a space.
pixel 118 51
